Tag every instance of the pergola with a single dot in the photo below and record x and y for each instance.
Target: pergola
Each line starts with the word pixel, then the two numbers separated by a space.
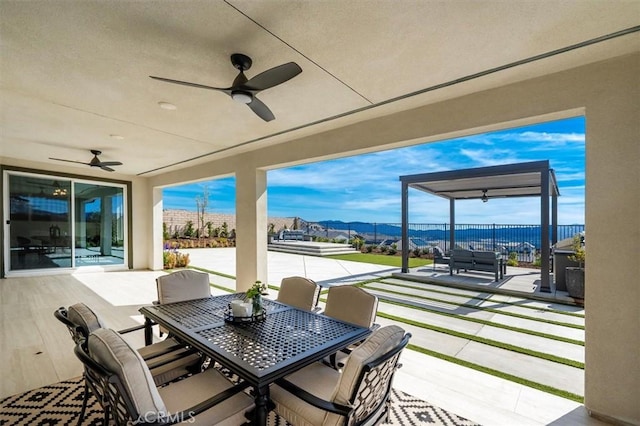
pixel 531 179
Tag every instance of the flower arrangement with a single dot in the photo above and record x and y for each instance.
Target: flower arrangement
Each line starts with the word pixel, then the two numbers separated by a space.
pixel 258 288
pixel 255 294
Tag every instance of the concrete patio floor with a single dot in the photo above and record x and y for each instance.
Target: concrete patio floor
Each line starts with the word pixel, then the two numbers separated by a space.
pixel 43 357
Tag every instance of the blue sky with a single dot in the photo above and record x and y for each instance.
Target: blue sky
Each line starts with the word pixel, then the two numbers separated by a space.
pixel 366 187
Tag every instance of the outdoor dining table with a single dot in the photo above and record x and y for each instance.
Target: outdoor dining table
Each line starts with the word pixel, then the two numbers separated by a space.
pixel 259 352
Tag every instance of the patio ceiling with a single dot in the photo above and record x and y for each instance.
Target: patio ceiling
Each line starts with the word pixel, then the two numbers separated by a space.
pixel 511 180
pixel 74 75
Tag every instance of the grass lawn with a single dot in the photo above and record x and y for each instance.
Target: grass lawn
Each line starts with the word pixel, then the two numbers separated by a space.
pixel 381 259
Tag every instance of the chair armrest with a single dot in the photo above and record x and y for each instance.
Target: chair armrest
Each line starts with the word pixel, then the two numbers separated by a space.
pixel 332 407
pixel 156 302
pixel 130 329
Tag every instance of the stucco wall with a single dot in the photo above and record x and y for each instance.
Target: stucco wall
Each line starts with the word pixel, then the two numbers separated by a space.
pixel 177 219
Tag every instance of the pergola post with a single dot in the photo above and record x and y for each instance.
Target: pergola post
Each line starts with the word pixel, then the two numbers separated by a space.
pixel 554 218
pixel 405 225
pixel 452 223
pixel 544 231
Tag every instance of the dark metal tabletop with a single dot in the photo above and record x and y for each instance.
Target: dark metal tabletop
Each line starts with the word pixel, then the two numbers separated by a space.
pixel 262 351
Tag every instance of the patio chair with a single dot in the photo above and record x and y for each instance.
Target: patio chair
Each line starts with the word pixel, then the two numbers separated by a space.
pixel 439 257
pixel 178 286
pixel 121 381
pixel 300 292
pixel 168 359
pixel 318 395
pixel 353 305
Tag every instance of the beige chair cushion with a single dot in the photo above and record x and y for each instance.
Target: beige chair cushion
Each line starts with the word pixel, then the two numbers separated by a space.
pixel 299 292
pixel 165 373
pixel 351 304
pixel 109 349
pixel 81 315
pixel 318 380
pixel 183 285
pixel 161 347
pixel 377 344
pixel 186 393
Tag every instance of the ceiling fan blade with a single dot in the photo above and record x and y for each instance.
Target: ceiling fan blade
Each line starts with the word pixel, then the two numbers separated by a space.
pixel 69 161
pixel 261 109
pixel 108 169
pixel 274 76
pixel 109 163
pixel 186 83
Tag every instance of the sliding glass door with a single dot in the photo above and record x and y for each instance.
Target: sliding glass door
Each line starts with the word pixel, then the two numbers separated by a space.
pixel 56 222
pixel 39 223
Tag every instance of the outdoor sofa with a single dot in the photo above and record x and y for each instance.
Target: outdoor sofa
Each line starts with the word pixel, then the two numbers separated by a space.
pixel 476 260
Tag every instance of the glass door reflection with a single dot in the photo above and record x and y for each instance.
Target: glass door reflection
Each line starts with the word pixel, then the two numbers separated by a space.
pixel 99 225
pixel 39 223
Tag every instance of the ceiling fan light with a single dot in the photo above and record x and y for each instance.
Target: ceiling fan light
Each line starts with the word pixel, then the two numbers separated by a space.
pixel 484 197
pixel 241 96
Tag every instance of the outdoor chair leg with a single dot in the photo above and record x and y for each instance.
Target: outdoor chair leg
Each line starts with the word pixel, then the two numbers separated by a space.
pixel 85 397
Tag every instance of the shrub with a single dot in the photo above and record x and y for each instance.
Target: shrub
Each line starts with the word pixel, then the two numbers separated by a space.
pixel 357 242
pixel 188 229
pixel 182 260
pixel 579 252
pixel 416 252
pixel 513 259
pixel 537 261
pixel 224 232
pixel 174 259
pixel 368 248
pixel 383 249
pixel 165 232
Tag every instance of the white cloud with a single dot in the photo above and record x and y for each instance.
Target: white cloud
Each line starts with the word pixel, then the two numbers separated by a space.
pixel 367 187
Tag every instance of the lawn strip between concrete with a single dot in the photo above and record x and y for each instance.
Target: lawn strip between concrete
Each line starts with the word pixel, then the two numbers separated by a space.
pixel 494 343
pixel 471 306
pixel 468 294
pixel 497 373
pixel 407 304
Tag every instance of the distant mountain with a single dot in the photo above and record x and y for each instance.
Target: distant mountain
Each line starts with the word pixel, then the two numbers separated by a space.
pixel 363 227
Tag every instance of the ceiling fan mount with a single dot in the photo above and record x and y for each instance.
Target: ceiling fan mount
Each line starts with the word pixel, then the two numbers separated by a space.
pixel 241 62
pixel 244 90
pixel 95 161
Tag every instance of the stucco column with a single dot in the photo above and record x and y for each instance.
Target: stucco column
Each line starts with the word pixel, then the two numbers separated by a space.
pixel 612 270
pixel 251 226
pixel 156 230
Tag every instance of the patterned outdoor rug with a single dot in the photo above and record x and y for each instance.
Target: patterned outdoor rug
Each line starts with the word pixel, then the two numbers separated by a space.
pixel 59 404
